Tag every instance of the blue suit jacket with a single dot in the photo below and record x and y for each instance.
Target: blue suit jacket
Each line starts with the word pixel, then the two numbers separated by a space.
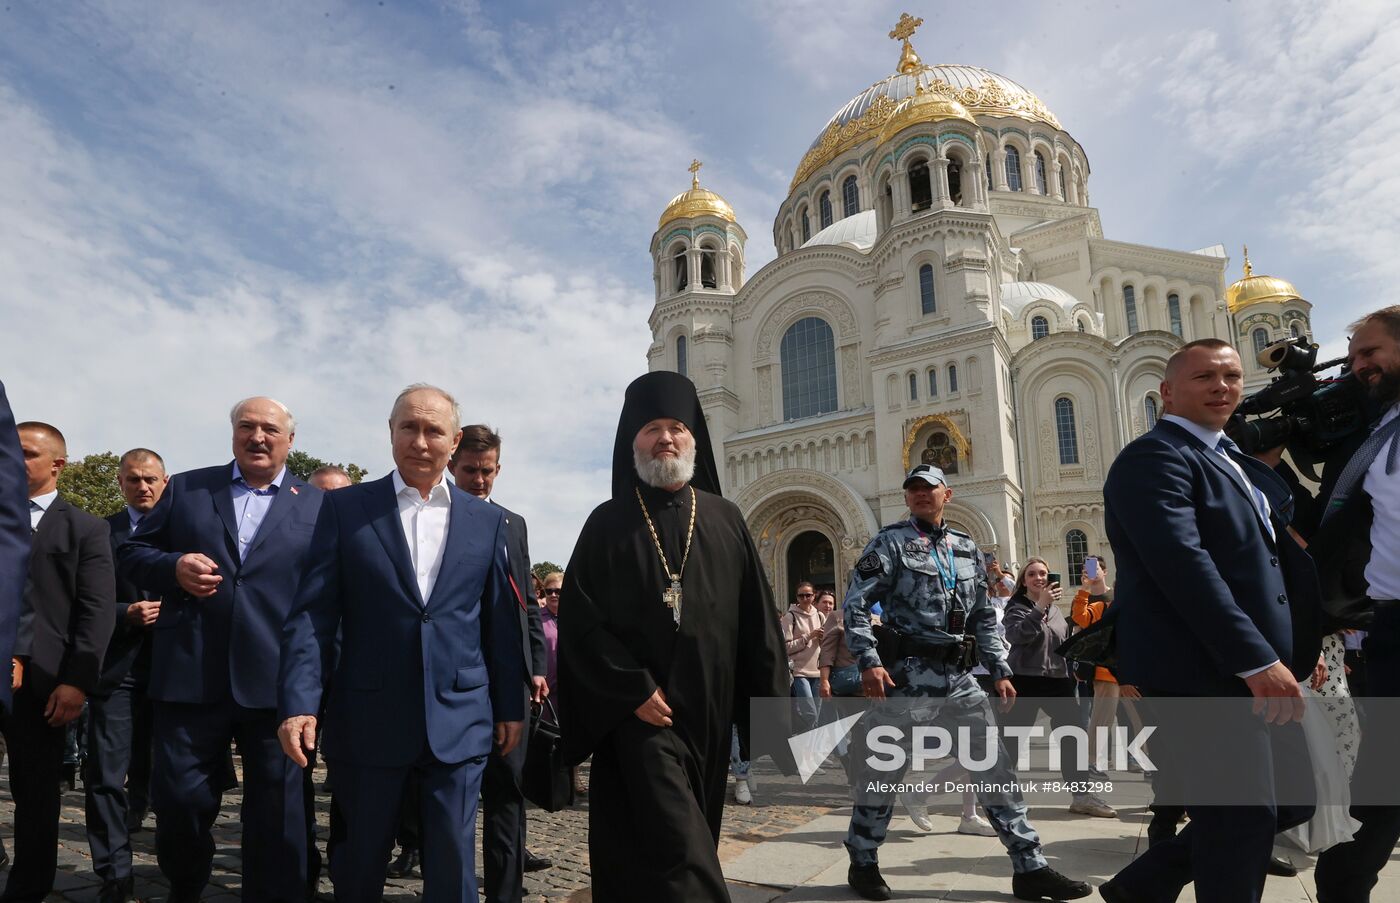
pixel 14 539
pixel 1202 592
pixel 205 649
pixel 413 674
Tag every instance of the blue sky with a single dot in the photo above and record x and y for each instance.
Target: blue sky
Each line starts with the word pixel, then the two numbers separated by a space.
pixel 325 202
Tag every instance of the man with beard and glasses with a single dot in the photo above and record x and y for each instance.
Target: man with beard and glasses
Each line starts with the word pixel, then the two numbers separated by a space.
pixel 667 629
pixel 1360 533
pixel 224 548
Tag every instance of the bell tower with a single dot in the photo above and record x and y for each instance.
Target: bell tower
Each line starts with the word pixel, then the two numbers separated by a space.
pixel 698 266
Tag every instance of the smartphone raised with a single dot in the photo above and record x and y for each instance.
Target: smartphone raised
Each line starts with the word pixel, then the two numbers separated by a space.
pixel 1052 578
pixel 1091 568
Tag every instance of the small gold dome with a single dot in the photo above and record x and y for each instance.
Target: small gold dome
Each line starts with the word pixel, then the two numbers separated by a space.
pixel 696 202
pixel 1254 289
pixel 924 106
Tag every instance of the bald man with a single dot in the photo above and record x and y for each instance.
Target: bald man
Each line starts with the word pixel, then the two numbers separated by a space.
pixel 224 549
pixel 69 609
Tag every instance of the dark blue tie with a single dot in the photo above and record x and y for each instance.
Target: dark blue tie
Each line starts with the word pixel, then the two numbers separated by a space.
pixel 1356 468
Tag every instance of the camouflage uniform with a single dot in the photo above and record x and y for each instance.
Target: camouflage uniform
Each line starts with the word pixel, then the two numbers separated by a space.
pixel 900 570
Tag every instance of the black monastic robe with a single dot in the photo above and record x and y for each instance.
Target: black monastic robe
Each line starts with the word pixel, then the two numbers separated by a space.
pixel 657 794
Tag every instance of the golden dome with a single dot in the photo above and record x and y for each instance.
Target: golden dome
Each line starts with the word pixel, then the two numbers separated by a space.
pixel 1254 289
pixel 696 202
pixel 924 106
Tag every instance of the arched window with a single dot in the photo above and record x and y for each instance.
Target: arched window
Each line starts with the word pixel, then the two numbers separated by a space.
pixel 887 202
pixel 920 188
pixel 1081 325
pixel 824 210
pixel 913 387
pixel 806 227
pixel 933 383
pixel 955 180
pixel 1013 168
pixel 1040 181
pixel 1295 329
pixel 1065 433
pixel 850 197
pixel 808 355
pixel 1149 411
pixel 952 377
pixel 1040 328
pixel 681 269
pixel 1261 339
pixel 989 172
pixel 1130 309
pixel 1174 314
pixel 927 303
pixel 682 364
pixel 708 279
pixel 1076 550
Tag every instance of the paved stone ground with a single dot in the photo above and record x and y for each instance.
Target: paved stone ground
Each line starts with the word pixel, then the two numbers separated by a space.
pixel 562 836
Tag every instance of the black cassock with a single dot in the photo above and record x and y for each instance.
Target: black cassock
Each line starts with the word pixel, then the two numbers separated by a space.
pixel 657 794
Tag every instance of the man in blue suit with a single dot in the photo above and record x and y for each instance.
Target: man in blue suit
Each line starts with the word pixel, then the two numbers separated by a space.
pixel 224 549
pixel 14 541
pixel 1205 569
pixel 412 572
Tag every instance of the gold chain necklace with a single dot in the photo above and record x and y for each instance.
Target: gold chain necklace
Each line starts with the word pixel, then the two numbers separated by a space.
pixel 672 596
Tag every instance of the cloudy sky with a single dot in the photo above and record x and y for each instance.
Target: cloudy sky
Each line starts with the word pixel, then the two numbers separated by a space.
pixel 326 201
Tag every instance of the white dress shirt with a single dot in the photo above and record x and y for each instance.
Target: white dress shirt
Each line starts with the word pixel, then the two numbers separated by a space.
pixel 1212 438
pixel 425 527
pixel 1383 570
pixel 42 502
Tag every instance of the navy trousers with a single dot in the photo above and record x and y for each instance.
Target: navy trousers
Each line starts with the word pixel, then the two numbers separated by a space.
pixel 116 775
pixel 187 784
pixel 369 800
pixel 36 765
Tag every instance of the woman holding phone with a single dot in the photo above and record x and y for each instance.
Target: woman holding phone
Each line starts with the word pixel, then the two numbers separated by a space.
pixel 1035 628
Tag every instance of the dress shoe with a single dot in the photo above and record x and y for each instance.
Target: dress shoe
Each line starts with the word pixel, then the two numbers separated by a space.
pixel 1088 804
pixel 866 881
pixel 1047 884
pixel 535 863
pixel 1281 868
pixel 119 890
pixel 404 866
pixel 1113 894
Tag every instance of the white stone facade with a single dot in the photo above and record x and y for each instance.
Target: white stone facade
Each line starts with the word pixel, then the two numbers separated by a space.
pixel 1004 264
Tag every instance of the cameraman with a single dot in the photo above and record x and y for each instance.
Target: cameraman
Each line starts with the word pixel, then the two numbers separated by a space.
pixel 1360 521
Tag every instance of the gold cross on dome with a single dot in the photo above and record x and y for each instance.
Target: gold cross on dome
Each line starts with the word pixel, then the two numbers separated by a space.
pixel 694 171
pixel 905 28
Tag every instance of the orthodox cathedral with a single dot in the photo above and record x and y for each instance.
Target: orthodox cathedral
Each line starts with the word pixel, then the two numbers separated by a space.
pixel 943 292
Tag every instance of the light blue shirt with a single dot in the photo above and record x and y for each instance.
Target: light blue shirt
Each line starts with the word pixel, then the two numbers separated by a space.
pixel 135 517
pixel 251 505
pixel 1212 438
pixel 39 506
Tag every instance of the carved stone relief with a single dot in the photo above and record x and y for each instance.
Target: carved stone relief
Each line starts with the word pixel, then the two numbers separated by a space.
pixel 836 309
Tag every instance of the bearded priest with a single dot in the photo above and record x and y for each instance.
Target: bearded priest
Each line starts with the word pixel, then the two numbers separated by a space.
pixel 667 629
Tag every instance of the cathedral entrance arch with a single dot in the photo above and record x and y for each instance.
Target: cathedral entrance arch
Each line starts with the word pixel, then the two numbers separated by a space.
pixel 781 508
pixel 810 557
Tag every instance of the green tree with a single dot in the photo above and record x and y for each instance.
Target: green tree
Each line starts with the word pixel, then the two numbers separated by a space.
pixel 541 568
pixel 91 484
pixel 304 465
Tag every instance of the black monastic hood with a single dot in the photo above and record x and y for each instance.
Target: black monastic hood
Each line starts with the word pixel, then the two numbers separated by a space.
pixel 662 393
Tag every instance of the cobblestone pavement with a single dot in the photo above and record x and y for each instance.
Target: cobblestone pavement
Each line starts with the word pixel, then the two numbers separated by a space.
pixel 779 807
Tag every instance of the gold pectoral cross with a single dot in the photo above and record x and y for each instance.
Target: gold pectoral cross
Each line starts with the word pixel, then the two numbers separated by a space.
pixel 672 598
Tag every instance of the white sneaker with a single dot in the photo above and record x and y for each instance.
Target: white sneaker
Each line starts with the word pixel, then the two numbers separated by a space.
pixel 743 794
pixel 1086 804
pixel 918 814
pixel 976 824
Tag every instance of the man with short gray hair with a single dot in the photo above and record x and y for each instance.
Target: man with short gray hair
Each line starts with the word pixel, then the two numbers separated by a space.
pixel 224 548
pixel 410 572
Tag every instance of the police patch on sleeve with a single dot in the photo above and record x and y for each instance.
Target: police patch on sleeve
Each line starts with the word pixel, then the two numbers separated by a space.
pixel 869 565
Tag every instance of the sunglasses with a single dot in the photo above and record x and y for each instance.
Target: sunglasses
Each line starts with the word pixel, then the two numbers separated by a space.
pixel 552 592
